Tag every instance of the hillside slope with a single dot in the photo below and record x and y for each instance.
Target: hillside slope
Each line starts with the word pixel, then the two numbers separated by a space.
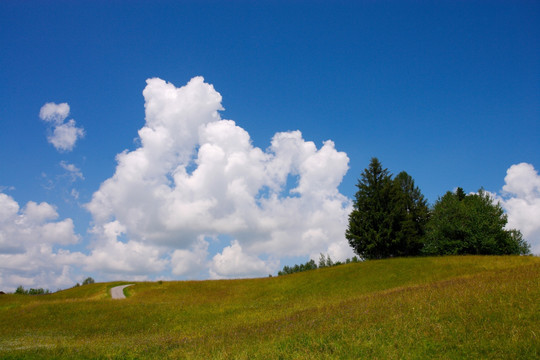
pixel 449 307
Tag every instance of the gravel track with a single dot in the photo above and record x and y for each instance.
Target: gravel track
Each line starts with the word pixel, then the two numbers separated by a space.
pixel 117 292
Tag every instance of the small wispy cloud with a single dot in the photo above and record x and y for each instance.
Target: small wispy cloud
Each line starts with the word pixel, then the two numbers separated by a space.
pixel 54 113
pixel 72 171
pixel 63 134
pixel 75 194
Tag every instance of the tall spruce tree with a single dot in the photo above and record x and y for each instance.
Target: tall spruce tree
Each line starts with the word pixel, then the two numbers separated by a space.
pixel 368 231
pixel 388 217
pixel 413 215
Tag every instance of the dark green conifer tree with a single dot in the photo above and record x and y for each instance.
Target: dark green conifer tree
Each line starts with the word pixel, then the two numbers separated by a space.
pixel 412 212
pixel 371 222
pixel 388 217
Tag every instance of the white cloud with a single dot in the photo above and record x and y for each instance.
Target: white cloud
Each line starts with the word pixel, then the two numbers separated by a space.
pixel 35 224
pixel 54 113
pixel 63 135
pixel 521 200
pixel 28 239
pixel 196 175
pixel 523 181
pixel 8 188
pixel 234 263
pixel 39 213
pixel 192 262
pixel 75 194
pixel 116 259
pixel 74 172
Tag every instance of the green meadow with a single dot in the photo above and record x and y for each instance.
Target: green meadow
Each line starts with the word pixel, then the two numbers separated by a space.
pixel 470 307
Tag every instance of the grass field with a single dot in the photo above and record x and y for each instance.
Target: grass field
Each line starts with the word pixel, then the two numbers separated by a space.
pixel 471 307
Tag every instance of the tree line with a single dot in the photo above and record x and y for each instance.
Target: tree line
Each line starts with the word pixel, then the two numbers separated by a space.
pixel 391 218
pixel 324 261
pixel 40 291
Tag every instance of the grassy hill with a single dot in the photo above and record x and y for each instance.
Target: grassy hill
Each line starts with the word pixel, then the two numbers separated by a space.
pixel 449 307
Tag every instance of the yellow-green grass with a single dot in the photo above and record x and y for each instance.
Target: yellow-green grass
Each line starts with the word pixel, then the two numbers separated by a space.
pixel 444 308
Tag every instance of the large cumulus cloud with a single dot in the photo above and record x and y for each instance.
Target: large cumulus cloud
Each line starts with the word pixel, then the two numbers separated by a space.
pixel 197 177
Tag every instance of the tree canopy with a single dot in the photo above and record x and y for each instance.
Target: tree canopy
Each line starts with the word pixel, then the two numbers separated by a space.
pixel 471 224
pixel 88 280
pixel 391 217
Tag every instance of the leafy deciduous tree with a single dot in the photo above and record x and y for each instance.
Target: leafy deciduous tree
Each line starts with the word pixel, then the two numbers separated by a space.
pixel 88 280
pixel 471 224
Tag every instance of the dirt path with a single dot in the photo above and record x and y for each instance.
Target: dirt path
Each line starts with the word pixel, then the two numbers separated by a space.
pixel 117 292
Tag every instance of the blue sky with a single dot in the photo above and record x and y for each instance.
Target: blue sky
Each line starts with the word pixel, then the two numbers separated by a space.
pixel 447 91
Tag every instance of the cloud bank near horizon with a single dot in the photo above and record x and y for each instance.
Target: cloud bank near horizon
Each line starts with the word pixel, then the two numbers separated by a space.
pixel 31 241
pixel 197 200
